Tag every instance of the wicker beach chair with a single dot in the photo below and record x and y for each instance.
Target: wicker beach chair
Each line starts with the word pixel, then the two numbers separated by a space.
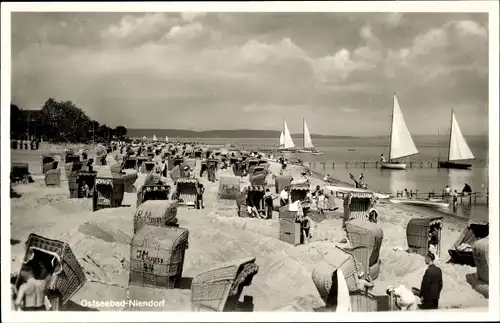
pixel 251 162
pixel 155 212
pixel 53 177
pixel 157 256
pixel 481 258
pixel 298 192
pixel 129 179
pixel 357 205
pixel 19 172
pixel 370 235
pixel 67 274
pixel 282 182
pixel 48 163
pixel 335 259
pixel 76 179
pixel 191 163
pixel 152 192
pixel 229 187
pixel 130 162
pixel 474 231
pixel 147 166
pixel 186 191
pixel 290 230
pixel 252 196
pixel 109 189
pixel 219 289
pixel 417 234
pixel 257 175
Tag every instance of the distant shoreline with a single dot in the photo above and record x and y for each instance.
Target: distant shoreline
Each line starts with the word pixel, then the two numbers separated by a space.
pixel 255 134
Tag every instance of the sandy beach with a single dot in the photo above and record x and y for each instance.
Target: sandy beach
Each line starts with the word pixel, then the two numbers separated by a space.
pixel 101 242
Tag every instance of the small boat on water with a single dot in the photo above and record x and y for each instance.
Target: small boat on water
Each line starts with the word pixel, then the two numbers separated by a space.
pixel 420 202
pixel 308 147
pixel 458 150
pixel 401 142
pixel 154 138
pixel 288 145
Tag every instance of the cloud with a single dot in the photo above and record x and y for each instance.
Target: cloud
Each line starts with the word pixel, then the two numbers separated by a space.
pixel 238 70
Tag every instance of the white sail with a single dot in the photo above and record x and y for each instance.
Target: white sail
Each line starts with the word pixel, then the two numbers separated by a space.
pixel 288 138
pixel 282 139
pixel 307 137
pixel 459 150
pixel 154 138
pixel 402 144
pixel 166 138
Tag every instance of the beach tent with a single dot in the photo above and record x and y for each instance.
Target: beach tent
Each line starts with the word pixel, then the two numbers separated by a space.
pixel 219 289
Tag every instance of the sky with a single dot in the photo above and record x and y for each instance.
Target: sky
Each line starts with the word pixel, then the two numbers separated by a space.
pixel 205 71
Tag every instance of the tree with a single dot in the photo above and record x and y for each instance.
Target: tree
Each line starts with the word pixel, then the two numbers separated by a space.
pixel 120 132
pixel 17 122
pixel 63 121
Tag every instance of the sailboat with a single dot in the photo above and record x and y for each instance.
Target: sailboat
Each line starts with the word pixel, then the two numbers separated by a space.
pixel 308 145
pixel 401 144
pixel 288 144
pixel 154 138
pixel 166 138
pixel 458 148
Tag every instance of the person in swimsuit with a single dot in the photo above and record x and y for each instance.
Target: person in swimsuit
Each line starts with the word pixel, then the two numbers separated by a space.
pixel 31 293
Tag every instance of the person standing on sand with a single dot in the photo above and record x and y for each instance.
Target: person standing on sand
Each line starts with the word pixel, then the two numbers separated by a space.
pixel 467 190
pixel 268 200
pixel 199 196
pixel 447 190
pixel 432 284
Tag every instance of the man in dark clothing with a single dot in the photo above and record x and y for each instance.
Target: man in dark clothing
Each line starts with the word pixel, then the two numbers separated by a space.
pixel 268 199
pixel 467 189
pixel 432 284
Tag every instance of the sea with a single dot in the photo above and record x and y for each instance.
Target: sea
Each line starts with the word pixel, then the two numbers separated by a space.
pixel 423 180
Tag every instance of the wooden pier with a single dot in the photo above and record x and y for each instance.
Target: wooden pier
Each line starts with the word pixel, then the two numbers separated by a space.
pixel 461 198
pixel 369 164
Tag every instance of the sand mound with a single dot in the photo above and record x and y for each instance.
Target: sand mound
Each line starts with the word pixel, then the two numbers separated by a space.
pixel 104 232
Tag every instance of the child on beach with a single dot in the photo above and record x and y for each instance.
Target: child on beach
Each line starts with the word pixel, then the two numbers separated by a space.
pixel 199 196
